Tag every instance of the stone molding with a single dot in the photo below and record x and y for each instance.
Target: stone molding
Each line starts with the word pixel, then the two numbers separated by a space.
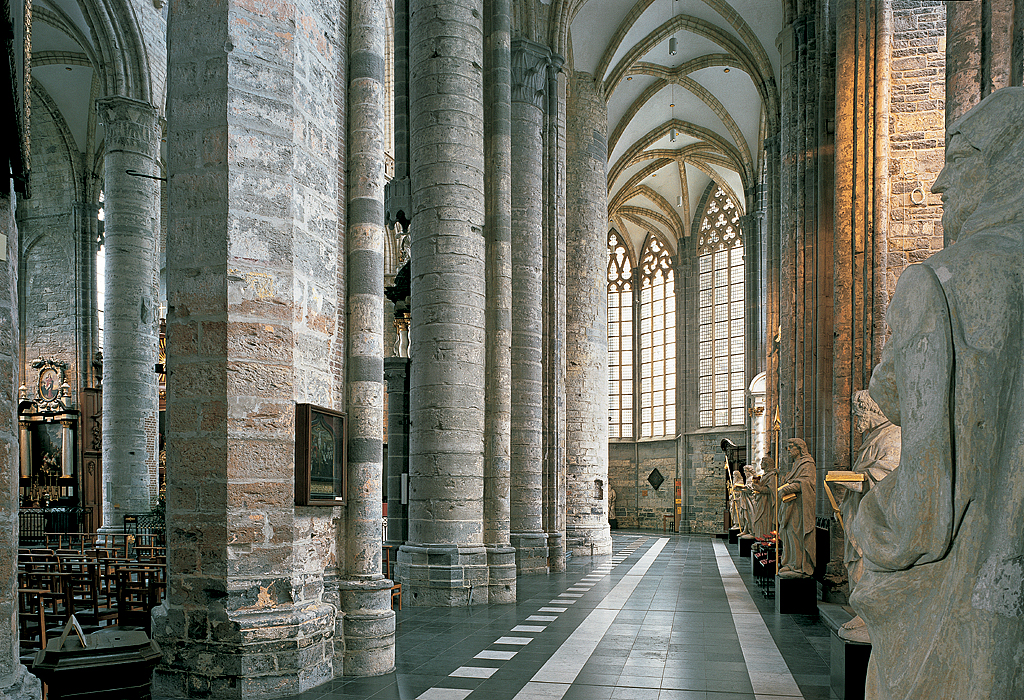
pixel 531 63
pixel 130 125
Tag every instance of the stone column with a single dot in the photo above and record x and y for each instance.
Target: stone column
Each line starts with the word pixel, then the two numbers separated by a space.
pixel 131 399
pixel 554 316
pixel 984 51
pixel 445 562
pixel 369 622
pixel 16 683
pixel 529 85
pixel 586 336
pixel 257 323
pixel 805 282
pixel 772 267
pixel 396 374
pixel 861 222
pixel 498 156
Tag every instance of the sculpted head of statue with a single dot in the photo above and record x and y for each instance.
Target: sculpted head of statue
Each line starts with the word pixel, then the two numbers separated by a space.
pixel 866 412
pixel 797 447
pixel 982 182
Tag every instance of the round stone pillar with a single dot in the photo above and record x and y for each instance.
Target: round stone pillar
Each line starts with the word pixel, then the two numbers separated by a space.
pixel 16 683
pixel 445 561
pixel 131 226
pixel 587 531
pixel 529 83
pixel 501 556
pixel 369 622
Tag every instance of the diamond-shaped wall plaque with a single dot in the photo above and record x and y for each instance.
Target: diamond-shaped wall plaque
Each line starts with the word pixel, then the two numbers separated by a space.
pixel 655 479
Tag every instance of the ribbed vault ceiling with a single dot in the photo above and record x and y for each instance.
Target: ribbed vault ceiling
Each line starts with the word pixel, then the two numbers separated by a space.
pixel 715 94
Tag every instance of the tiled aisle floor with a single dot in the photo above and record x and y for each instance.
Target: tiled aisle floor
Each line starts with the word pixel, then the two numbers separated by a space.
pixel 656 621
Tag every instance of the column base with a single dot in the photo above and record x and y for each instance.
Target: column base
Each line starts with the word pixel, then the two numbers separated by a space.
pixel 531 552
pixel 589 541
pixel 368 627
pixel 443 575
pixel 501 575
pixel 214 653
pixel 556 552
pixel 20 685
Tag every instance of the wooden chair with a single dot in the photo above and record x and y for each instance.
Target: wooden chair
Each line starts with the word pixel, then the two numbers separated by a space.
pixel 396 587
pixel 43 603
pixel 81 577
pixel 138 592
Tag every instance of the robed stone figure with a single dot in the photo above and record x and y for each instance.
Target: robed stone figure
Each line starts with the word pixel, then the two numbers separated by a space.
pixel 765 489
pixel 796 514
pixel 943 535
pixel 879 454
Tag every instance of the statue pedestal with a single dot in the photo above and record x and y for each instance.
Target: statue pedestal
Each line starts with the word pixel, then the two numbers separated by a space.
pixel 734 535
pixel 849 659
pixel 745 544
pixel 759 570
pixel 796 596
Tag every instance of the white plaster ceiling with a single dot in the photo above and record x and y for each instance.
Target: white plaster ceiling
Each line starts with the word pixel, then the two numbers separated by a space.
pixel 716 90
pixel 63 64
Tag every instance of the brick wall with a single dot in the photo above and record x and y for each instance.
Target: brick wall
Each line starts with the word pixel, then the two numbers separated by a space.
pixel 917 132
pixel 637 503
pixel 46 229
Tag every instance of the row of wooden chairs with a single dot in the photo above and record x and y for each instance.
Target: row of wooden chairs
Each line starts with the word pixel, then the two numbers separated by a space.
pixel 124 545
pixel 98 588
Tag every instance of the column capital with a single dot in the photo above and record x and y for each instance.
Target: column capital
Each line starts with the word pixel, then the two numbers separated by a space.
pixel 129 125
pixel 531 63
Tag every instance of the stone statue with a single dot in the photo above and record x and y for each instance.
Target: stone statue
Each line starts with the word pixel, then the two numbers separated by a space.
pixel 764 495
pixel 611 503
pixel 796 515
pixel 735 486
pixel 747 504
pixel 942 536
pixel 879 454
pixel 404 240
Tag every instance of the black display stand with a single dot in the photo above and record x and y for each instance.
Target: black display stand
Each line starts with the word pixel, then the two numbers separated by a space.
pixel 734 535
pixel 849 660
pixel 745 544
pixel 796 596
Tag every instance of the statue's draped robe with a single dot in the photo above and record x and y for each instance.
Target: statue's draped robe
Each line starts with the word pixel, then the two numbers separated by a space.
pixel 943 535
pixel 879 454
pixel 764 503
pixel 796 520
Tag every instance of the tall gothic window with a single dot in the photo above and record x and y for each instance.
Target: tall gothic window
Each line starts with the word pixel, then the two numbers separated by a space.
pixel 657 341
pixel 650 289
pixel 620 338
pixel 720 260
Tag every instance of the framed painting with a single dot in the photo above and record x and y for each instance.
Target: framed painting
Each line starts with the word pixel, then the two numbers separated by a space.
pixel 320 456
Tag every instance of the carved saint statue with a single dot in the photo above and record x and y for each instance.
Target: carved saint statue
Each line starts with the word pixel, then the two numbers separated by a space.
pixel 747 504
pixel 796 514
pixel 764 495
pixel 611 503
pixel 735 486
pixel 942 536
pixel 879 454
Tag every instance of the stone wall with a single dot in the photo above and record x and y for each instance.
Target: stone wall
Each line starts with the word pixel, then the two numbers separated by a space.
pixel 48 242
pixel 637 503
pixel 704 497
pixel 917 132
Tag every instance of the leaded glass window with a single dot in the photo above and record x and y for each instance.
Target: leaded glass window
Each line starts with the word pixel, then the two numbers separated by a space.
pixel 720 314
